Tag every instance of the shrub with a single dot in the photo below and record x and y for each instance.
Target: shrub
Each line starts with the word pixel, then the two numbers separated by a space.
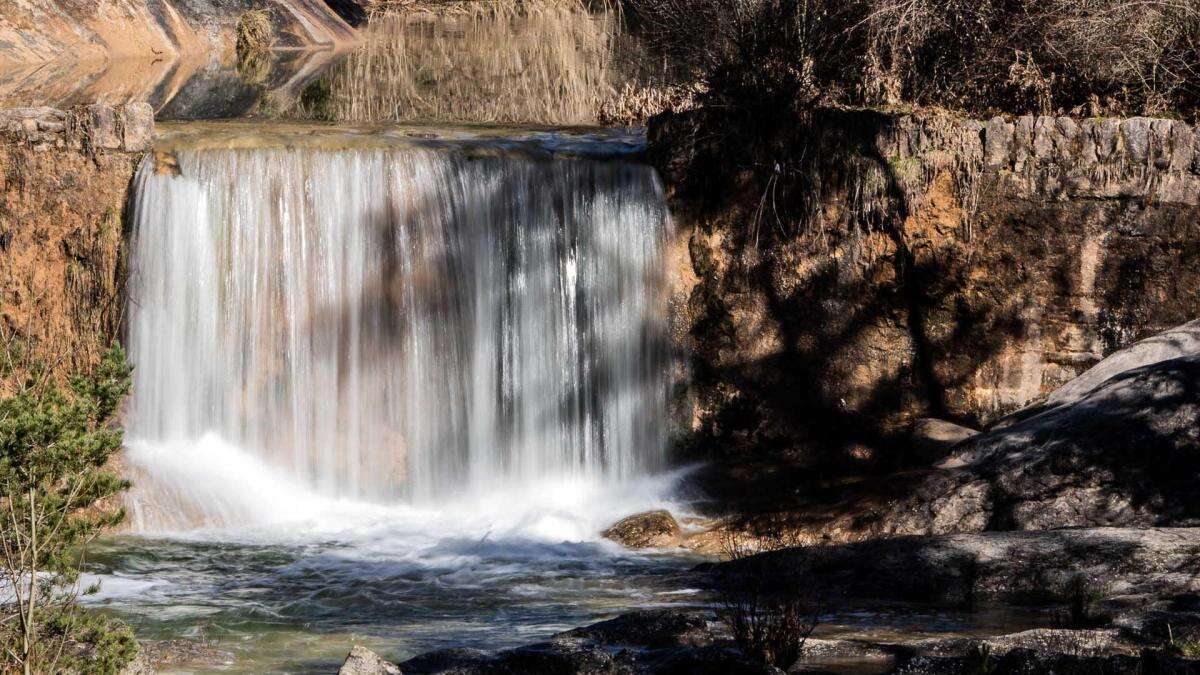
pixel 981 56
pixel 55 497
pixel 769 610
pixel 1187 647
pixel 254 32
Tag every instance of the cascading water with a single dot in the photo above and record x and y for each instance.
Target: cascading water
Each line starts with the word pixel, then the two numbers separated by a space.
pixel 389 326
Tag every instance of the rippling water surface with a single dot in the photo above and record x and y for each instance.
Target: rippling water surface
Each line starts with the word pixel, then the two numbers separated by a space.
pixel 292 593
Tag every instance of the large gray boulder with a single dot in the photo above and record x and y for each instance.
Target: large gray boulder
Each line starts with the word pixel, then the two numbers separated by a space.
pixel 1117 446
pixel 1179 341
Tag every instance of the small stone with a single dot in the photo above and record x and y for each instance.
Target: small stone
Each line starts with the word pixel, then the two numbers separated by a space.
pixel 363 661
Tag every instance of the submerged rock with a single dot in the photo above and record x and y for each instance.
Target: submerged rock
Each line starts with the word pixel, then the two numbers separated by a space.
pixel 652 529
pixel 577 657
pixel 163 654
pixel 363 661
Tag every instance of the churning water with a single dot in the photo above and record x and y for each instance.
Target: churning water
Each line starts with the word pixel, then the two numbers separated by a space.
pixel 394 391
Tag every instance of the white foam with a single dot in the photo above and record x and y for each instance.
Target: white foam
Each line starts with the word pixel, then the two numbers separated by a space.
pixel 220 492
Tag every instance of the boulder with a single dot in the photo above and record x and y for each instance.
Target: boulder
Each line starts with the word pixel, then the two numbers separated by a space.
pixel 596 655
pixel 1179 341
pixel 932 438
pixel 652 529
pixel 460 661
pixel 139 665
pixel 363 661
pixel 559 656
pixel 1125 453
pixel 710 660
pixel 569 657
pixel 654 628
pixel 1032 662
pixel 162 654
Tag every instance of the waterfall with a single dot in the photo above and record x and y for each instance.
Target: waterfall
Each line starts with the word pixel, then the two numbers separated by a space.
pixel 392 325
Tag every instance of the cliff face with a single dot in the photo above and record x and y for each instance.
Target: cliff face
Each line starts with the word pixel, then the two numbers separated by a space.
pixel 859 270
pixel 33 31
pixel 64 181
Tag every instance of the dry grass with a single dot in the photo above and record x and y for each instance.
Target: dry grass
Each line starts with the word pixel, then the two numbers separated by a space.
pixel 554 67
pixel 254 32
pixel 507 8
pixel 635 103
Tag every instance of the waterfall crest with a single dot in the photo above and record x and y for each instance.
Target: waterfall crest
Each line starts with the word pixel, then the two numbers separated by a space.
pixel 398 324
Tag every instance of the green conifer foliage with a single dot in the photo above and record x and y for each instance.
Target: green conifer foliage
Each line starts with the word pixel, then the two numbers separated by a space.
pixel 57 494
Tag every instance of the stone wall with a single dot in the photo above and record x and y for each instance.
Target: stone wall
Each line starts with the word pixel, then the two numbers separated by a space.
pixel 128 128
pixel 65 178
pixel 858 270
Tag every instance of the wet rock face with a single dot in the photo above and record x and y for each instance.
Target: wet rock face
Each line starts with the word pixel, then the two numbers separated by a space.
pixel 653 529
pixel 905 267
